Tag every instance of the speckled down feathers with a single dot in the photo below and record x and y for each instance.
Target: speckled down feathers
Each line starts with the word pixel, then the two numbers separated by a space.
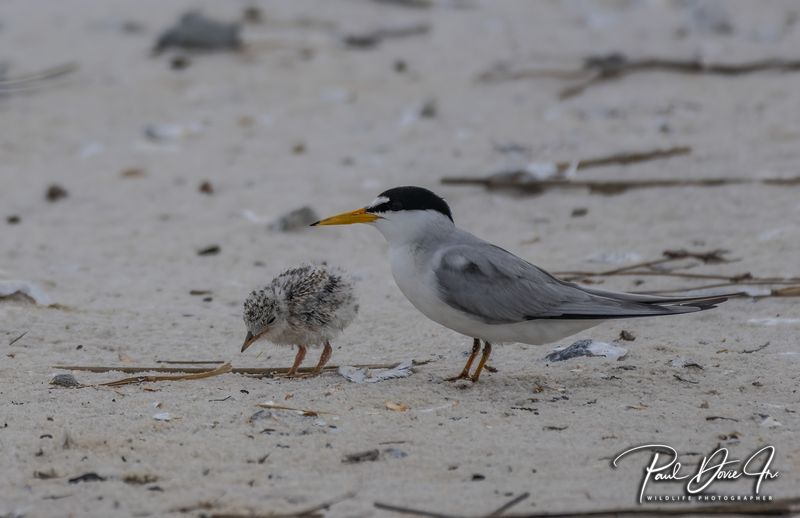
pixel 310 304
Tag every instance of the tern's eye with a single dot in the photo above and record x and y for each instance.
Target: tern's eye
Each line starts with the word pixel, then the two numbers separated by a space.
pixel 396 205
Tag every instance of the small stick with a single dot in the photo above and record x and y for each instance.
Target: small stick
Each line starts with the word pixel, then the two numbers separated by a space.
pixel 17 339
pixel 508 505
pixel 789 291
pixel 646 273
pixel 671 255
pixel 237 370
pixel 616 66
pixel 303 513
pixel 417 512
pixel 743 279
pixel 610 186
pixel 600 69
pixel 222 369
pixel 190 362
pixel 782 507
pixel 751 351
pixel 31 79
pixel 414 512
pixel 633 157
pixel 273 406
pixel 622 158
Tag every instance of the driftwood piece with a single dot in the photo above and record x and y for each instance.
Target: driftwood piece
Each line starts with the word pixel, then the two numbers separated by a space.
pixel 609 67
pixel 533 186
pixel 310 512
pixel 778 507
pixel 790 286
pixel 500 511
pixel 253 371
pixel 222 369
pixel 10 84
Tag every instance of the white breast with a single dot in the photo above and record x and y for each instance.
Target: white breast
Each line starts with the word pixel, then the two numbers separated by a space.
pixel 417 280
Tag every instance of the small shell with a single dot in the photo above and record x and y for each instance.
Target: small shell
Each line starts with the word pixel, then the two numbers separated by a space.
pixel 65 380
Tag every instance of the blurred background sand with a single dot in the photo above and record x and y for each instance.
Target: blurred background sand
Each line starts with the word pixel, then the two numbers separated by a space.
pixel 300 118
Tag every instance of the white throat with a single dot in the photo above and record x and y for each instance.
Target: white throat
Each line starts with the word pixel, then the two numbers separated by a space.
pixel 413 226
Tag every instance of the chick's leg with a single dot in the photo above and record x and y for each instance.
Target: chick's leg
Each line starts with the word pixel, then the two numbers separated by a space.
pixel 323 359
pixel 301 354
pixel 476 346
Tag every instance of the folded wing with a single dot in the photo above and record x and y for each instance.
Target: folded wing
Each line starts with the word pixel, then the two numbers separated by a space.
pixel 497 287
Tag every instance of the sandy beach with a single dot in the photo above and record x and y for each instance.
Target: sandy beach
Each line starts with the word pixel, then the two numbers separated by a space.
pixel 299 117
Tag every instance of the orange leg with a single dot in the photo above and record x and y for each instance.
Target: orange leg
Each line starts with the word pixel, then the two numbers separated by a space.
pixel 487 350
pixel 301 354
pixel 323 359
pixel 476 346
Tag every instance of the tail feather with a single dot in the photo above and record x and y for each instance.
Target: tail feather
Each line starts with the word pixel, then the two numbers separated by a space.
pixel 700 302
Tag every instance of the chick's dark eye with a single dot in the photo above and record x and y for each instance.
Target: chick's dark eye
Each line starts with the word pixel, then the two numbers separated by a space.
pixel 270 320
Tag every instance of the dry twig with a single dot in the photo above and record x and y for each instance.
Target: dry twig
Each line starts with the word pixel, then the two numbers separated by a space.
pixel 529 185
pixel 190 362
pixel 254 371
pixel 310 512
pixel 31 80
pixel 781 507
pixel 646 268
pixel 17 339
pixel 622 158
pixel 601 69
pixel 500 511
pixel 222 369
pixel 301 411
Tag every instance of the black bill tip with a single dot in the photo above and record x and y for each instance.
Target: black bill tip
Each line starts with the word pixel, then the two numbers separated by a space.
pixel 248 340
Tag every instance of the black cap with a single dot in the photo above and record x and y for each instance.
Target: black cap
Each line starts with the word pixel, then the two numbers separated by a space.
pixel 411 198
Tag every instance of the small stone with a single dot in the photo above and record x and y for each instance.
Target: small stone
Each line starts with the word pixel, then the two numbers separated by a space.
pixel 209 250
pixel 579 212
pixel 394 453
pixel 179 63
pixel 627 336
pixel 587 347
pixel 13 219
pixel 362 456
pixel 429 109
pixel 206 188
pixel 65 380
pixel 253 14
pixel 133 172
pixel 55 193
pixel 294 220
pixel 198 32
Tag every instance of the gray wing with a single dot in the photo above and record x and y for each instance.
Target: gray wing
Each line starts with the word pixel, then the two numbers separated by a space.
pixel 498 287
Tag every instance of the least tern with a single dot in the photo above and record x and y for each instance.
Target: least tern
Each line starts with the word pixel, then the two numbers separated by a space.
pixel 303 306
pixel 483 291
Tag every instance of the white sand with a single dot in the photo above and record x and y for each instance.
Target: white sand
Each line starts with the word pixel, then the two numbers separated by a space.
pixel 120 253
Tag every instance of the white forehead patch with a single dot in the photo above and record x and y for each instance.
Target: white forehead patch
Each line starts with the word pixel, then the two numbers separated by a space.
pixel 377 201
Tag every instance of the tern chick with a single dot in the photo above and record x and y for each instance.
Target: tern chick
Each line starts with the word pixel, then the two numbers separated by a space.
pixel 480 290
pixel 303 306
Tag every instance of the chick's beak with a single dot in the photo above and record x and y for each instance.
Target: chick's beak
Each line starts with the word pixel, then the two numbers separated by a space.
pixel 347 218
pixel 248 340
